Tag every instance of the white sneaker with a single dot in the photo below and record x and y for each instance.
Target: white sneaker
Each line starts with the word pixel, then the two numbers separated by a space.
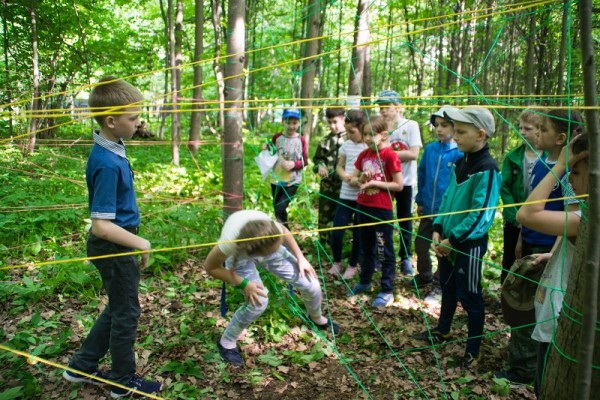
pixel 350 272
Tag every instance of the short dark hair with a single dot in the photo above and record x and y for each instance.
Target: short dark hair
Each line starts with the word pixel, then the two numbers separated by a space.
pixel 113 92
pixel 565 120
pixel 334 111
pixel 355 117
pixel 581 144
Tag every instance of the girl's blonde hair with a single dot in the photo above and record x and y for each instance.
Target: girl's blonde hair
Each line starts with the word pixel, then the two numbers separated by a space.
pixel 268 233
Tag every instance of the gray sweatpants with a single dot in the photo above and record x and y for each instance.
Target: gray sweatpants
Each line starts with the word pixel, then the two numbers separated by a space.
pixel 282 264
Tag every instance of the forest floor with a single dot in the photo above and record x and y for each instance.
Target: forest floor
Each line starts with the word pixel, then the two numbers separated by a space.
pixel 374 357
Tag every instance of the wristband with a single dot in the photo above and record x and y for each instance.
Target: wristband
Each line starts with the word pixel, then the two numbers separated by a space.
pixel 243 285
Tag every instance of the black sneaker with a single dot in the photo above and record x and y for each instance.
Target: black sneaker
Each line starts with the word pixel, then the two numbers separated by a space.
pixel 419 281
pixel 513 377
pixel 467 360
pixel 434 335
pixel 328 326
pixel 138 384
pixel 77 378
pixel 232 356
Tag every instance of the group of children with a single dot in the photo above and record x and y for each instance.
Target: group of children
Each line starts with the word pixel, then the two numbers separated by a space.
pixel 371 160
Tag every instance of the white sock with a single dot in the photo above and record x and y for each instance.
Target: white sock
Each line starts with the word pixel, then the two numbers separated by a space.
pixel 228 344
pixel 319 320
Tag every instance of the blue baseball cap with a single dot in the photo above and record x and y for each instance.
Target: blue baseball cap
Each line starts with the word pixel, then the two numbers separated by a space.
pixel 291 113
pixel 387 97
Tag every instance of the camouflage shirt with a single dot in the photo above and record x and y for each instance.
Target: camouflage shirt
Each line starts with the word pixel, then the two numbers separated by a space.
pixel 327 154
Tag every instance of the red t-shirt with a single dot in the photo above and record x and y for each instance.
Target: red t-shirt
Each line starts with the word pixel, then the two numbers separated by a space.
pixel 382 164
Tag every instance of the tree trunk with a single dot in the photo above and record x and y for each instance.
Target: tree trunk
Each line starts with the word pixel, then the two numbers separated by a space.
pixel 196 118
pixel 359 50
pixel 439 85
pixel 233 183
pixel 251 113
pixel 338 80
pixel 175 46
pixel 529 79
pixel 573 373
pixel 560 68
pixel 216 21
pixel 36 102
pixel 8 87
pixel 309 65
pixel 366 84
pixel 167 40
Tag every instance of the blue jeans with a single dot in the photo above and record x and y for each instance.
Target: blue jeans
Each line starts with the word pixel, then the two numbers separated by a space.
pixel 404 205
pixel 116 327
pixel 377 243
pixel 461 280
pixel 344 213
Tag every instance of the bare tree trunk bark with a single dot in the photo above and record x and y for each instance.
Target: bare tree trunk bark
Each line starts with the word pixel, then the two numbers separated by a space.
pixel 529 79
pixel 309 65
pixel 163 114
pixel 573 372
pixel 36 101
pixel 196 118
pixel 361 36
pixel 560 68
pixel 216 21
pixel 366 84
pixel 338 81
pixel 8 88
pixel 439 85
pixel 175 17
pixel 233 155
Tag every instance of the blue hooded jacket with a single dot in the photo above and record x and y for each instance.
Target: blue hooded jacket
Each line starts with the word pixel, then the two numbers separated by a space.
pixel 435 170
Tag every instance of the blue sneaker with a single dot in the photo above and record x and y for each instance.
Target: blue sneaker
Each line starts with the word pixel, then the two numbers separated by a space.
pixel 138 384
pixel 360 288
pixel 383 300
pixel 232 356
pixel 77 378
pixel 406 267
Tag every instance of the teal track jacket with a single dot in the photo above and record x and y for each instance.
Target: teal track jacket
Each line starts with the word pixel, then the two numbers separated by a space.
pixel 475 184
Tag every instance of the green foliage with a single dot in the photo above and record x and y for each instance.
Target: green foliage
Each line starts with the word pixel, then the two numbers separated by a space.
pixel 501 387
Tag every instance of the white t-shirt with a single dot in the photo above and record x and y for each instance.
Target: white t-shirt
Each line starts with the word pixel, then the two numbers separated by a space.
pixel 551 290
pixel 234 225
pixel 350 150
pixel 405 136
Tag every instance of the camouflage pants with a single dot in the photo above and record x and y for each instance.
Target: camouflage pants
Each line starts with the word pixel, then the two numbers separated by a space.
pixel 329 194
pixel 522 352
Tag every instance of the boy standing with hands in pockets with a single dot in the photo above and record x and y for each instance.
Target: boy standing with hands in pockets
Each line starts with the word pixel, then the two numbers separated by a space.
pixel 115 226
pixel 460 239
